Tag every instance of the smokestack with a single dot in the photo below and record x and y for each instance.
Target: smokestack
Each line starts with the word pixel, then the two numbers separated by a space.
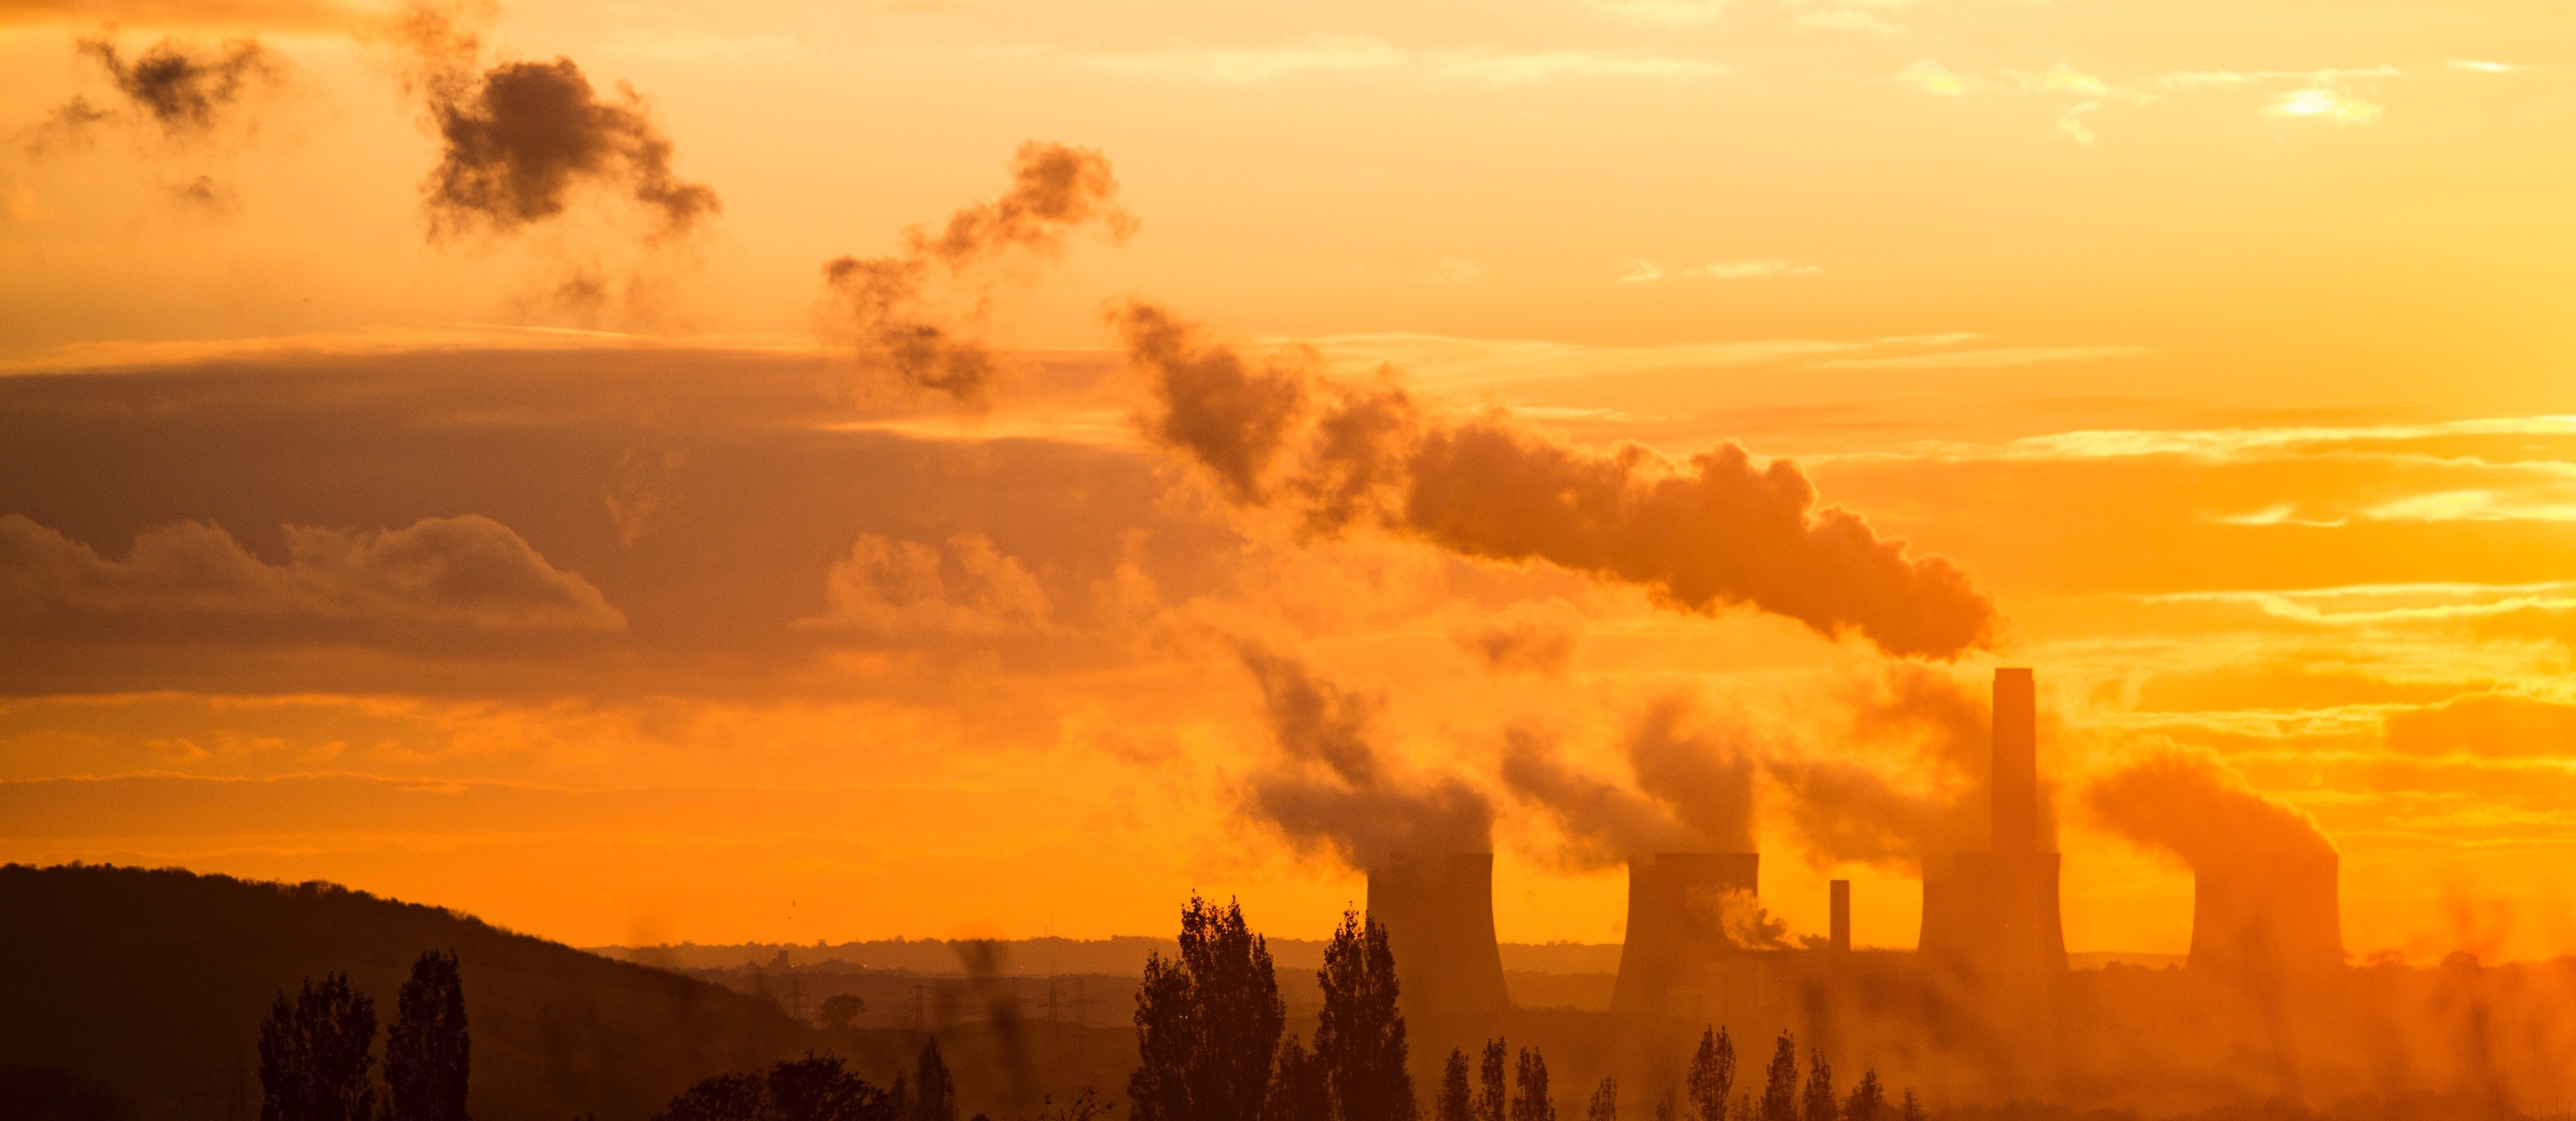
pixel 1997 911
pixel 1438 911
pixel 2263 915
pixel 1840 928
pixel 2016 763
pixel 1676 927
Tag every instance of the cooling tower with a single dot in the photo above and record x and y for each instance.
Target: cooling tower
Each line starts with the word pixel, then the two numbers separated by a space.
pixel 2267 915
pixel 1996 911
pixel 1438 911
pixel 1675 926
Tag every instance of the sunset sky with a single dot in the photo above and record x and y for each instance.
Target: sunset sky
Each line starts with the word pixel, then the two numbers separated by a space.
pixel 570 564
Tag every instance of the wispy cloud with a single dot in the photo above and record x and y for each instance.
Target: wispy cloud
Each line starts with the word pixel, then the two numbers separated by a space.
pixel 2322 104
pixel 2483 67
pixel 1662 13
pixel 1355 56
pixel 1745 270
pixel 1992 357
pixel 2070 124
pixel 2469 506
pixel 1641 272
pixel 1931 77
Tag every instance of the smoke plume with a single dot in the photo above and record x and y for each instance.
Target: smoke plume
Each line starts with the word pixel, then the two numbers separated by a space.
pixel 2199 809
pixel 1937 732
pixel 1332 787
pixel 183 87
pixel 519 140
pixel 894 307
pixel 1602 822
pixel 1701 534
pixel 1705 774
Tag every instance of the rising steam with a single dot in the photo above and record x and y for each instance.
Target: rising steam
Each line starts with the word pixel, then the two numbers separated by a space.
pixel 1332 787
pixel 2199 809
pixel 892 305
pixel 1701 534
pixel 1692 791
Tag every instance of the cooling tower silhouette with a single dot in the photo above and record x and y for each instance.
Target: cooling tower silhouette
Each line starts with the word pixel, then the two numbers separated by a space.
pixel 2267 914
pixel 1438 911
pixel 1675 927
pixel 1996 911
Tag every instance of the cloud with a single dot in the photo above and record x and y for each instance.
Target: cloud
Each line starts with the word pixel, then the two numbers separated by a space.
pixel 1745 270
pixel 1331 787
pixel 1662 13
pixel 1527 637
pixel 2494 725
pixel 2319 103
pixel 1931 77
pixel 261 14
pixel 183 87
pixel 890 305
pixel 1355 55
pixel 2070 124
pixel 466 573
pixel 522 138
pixel 1641 272
pixel 2194 807
pixel 1701 533
pixel 2476 66
pixel 905 588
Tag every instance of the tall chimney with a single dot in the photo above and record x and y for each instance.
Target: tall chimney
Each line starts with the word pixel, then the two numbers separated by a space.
pixel 2016 763
pixel 1438 911
pixel 1840 928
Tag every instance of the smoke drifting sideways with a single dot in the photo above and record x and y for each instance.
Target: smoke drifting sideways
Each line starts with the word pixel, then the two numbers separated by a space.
pixel 521 142
pixel 1330 787
pixel 2198 809
pixel 185 89
pixel 1701 534
pixel 894 307
pixel 1692 789
pixel 1851 810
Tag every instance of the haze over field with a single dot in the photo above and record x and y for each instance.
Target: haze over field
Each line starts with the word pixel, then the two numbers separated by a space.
pixel 762 472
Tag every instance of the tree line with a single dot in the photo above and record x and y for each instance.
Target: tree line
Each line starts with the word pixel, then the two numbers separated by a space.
pixel 1210 1026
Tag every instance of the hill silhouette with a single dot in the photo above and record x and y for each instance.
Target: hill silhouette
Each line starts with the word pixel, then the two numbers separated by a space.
pixel 154 982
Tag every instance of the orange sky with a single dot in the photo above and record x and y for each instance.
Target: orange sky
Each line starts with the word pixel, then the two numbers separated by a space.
pixel 2223 346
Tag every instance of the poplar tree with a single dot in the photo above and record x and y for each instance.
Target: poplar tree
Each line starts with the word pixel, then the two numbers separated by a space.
pixel 427 1050
pixel 1359 1037
pixel 1457 1101
pixel 934 1091
pixel 1605 1102
pixel 1780 1081
pixel 1207 1022
pixel 1868 1100
pixel 1712 1075
pixel 1299 1090
pixel 1819 1102
pixel 1530 1100
pixel 314 1055
pixel 1493 1103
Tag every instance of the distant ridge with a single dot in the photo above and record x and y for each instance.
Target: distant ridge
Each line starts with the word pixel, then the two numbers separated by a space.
pixel 155 981
pixel 1118 956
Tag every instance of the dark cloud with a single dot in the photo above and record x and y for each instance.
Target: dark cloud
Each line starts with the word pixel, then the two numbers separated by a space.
pixel 1331 786
pixel 522 138
pixel 1702 533
pixel 2196 808
pixel 892 306
pixel 185 87
pixel 468 573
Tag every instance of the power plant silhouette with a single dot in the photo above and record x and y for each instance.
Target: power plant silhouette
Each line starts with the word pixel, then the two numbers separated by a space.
pixel 1990 917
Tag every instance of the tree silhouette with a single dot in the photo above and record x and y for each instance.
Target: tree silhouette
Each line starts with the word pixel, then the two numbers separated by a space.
pixel 934 1092
pixel 1780 1081
pixel 1359 1036
pixel 813 1088
pixel 1712 1075
pixel 1492 1104
pixel 1868 1100
pixel 1605 1102
pixel 1300 1090
pixel 314 1055
pixel 1667 1108
pixel 427 1051
pixel 1530 1100
pixel 1457 1102
pixel 1818 1104
pixel 1912 1110
pixel 839 1009
pixel 1207 1022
